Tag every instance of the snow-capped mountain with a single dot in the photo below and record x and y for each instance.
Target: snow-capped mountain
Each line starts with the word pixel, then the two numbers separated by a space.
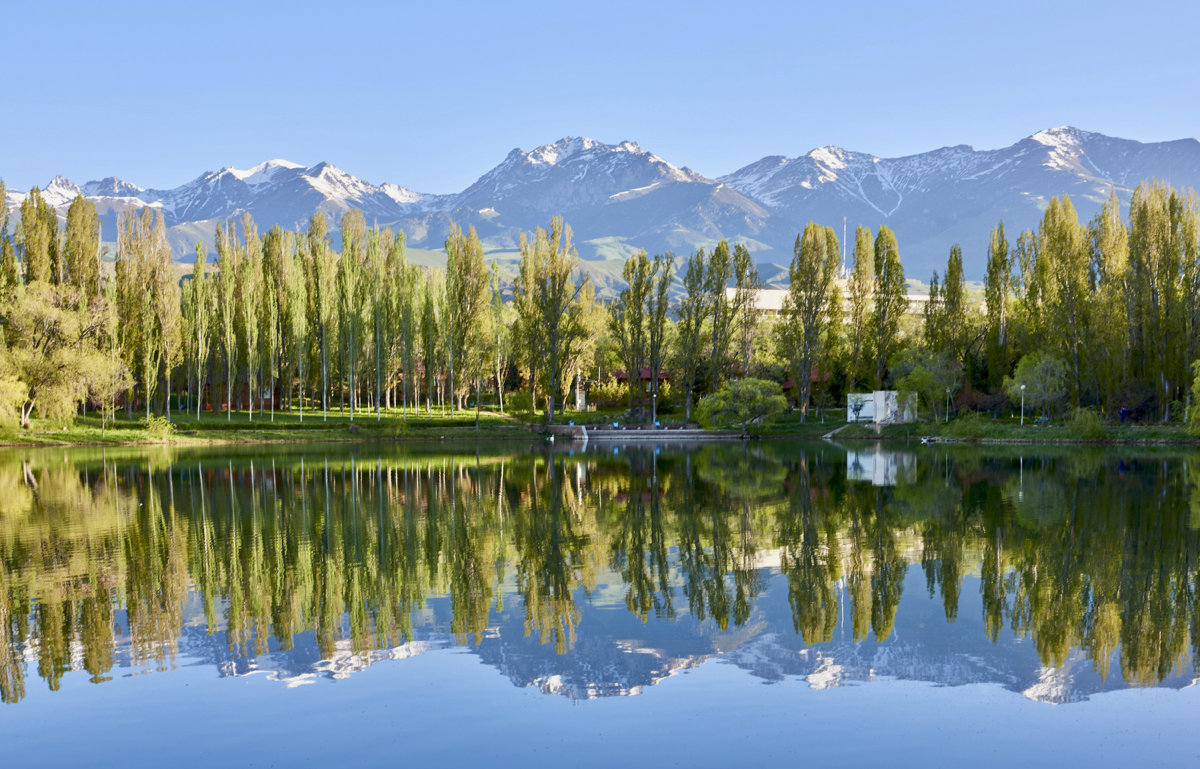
pixel 619 197
pixel 958 194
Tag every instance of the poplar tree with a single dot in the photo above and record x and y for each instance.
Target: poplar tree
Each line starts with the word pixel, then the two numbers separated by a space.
pixel 429 324
pixel 1063 249
pixel 656 316
pixel 627 321
pixel 349 288
pixel 81 249
pixel 807 307
pixel 272 307
pixel 165 287
pixel 693 311
pixel 226 297
pixel 746 313
pixel 467 306
pixel 998 286
pixel 552 319
pixel 250 294
pixel 322 296
pixel 37 238
pixel 500 331
pixel 1108 241
pixel 10 275
pixel 722 312
pixel 861 288
pixel 891 300
pixel 198 323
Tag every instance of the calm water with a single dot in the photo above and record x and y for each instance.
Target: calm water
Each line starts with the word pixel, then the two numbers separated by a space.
pixel 711 606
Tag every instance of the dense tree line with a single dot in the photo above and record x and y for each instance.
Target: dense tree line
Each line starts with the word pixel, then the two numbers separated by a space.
pixel 1103 315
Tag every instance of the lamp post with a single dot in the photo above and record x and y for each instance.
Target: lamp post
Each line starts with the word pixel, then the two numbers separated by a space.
pixel 654 407
pixel 1022 405
pixel 947 405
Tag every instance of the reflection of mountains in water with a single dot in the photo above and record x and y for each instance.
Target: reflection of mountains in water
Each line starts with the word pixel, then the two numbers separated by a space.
pixel 616 654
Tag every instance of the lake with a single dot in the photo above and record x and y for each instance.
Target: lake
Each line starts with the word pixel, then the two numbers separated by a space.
pixel 706 605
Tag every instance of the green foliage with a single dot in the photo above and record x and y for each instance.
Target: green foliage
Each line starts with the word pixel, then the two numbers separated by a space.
pixel 608 393
pixel 928 374
pixel 1194 411
pixel 741 403
pixel 520 404
pixel 158 427
pixel 1043 375
pixel 1086 424
pixel 970 426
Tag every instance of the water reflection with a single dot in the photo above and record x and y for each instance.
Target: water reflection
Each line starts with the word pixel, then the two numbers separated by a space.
pixel 597 574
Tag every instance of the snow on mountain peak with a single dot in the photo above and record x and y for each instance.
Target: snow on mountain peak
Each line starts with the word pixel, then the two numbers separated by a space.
pixel 263 172
pixel 550 154
pixel 61 191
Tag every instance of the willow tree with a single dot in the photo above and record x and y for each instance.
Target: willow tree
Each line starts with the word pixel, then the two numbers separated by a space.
pixel 891 300
pixel 816 258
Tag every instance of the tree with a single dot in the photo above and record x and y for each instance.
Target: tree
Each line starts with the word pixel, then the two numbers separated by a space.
pixel 467 303
pixel 1063 248
pixel 656 317
pixel 693 311
pixel 547 295
pixel 226 297
pixel 722 313
pixel 49 351
pixel 806 309
pixel 1044 379
pixel 147 297
pixel 931 374
pixel 891 300
pixel 502 334
pixel 321 296
pixel 746 312
pixel 1113 305
pixel 349 289
pixel 743 402
pixel 81 248
pixel 10 269
pixel 627 321
pixel 997 289
pixel 37 238
pixel 861 289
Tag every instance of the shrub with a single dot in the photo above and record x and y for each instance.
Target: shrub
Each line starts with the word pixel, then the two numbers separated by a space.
pixel 519 403
pixel 158 427
pixel 608 393
pixel 1087 424
pixel 970 426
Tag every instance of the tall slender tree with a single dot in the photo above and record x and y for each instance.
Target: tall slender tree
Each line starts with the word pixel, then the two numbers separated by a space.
pixel 891 300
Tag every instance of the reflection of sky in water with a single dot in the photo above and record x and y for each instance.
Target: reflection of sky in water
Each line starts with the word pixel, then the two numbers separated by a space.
pixel 933 691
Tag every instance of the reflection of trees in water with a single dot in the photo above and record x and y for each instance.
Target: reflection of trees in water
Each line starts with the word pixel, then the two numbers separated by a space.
pixel 98 559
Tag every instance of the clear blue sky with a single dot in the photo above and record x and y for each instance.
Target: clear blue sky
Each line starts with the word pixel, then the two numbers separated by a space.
pixel 431 95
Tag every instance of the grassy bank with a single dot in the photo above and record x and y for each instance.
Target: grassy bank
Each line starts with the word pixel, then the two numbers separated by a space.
pixel 980 429
pixel 186 429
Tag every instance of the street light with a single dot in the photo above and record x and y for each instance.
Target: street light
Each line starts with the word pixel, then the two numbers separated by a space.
pixel 1022 405
pixel 947 405
pixel 654 407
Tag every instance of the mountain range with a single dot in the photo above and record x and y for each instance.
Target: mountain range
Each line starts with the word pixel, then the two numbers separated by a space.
pixel 619 198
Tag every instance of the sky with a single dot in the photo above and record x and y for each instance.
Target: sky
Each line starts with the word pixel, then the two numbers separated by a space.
pixel 432 95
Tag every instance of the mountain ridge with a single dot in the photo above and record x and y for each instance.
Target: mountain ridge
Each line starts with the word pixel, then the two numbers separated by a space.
pixel 619 197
